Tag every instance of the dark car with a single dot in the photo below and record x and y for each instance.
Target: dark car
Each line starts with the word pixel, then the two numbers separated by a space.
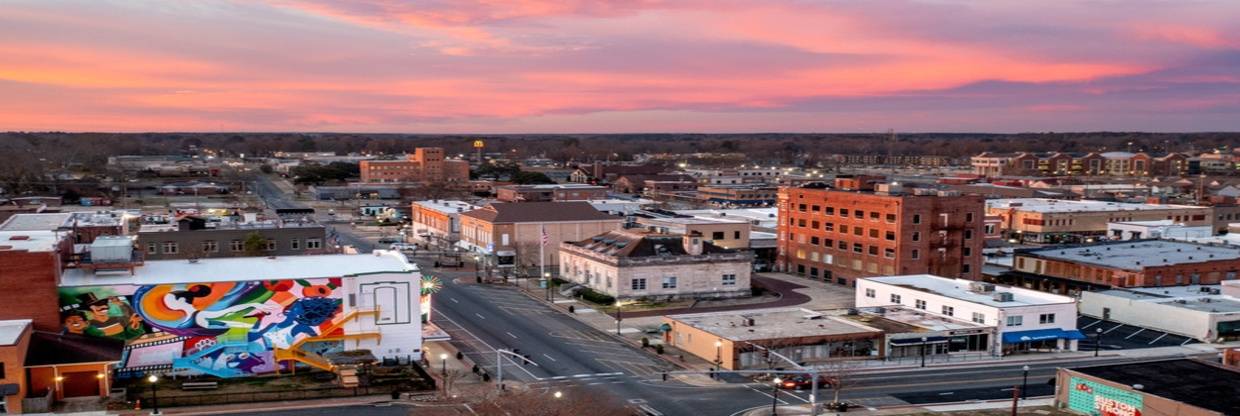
pixel 803 382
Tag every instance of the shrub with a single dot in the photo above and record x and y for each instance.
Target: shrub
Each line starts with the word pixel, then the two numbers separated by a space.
pixel 658 349
pixel 645 342
pixel 596 297
pixel 460 355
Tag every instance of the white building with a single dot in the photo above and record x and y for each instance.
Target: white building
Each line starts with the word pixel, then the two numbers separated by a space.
pixel 1136 230
pixel 1209 313
pixel 629 264
pixel 1026 319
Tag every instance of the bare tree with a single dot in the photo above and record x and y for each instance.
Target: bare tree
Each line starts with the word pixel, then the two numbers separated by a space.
pixel 545 403
pixel 840 374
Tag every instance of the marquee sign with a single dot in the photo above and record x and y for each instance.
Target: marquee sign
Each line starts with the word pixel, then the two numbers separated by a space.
pixel 1093 398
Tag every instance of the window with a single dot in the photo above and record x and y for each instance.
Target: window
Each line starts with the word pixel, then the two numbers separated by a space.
pixel 949 311
pixel 968 234
pixel 889 253
pixel 895 298
pixel 236 245
pixel 152 248
pixel 813 224
pixel 729 280
pixel 736 235
pixel 1046 318
pixel 890 236
pixel 718 235
pixel 294 244
pixel 813 240
pixel 1015 320
pixel 844 212
pixel 919 304
pixel 669 282
pixel 916 254
pixel 873 215
pixel 858 248
pixel 638 284
pixel 968 217
pixel 858 231
pixel 891 218
pixel 170 247
pixel 873 233
pixel 916 236
pixel 209 246
pixel 314 243
pixel 873 250
pixel 859 214
pixel 843 229
pixel 869 293
pixel 966 251
pixel 271 245
pixel 979 318
pixel 916 218
pixel 843 245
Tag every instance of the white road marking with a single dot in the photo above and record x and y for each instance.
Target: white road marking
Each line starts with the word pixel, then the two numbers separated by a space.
pixel 1186 342
pixel 549 357
pixel 766 394
pixel 511 335
pixel 480 316
pixel 650 410
pixel 1112 329
pixel 559 377
pixel 582 375
pixel 454 300
pixel 947 393
pixel 1135 333
pixel 441 315
pixel 1156 339
pixel 1091 324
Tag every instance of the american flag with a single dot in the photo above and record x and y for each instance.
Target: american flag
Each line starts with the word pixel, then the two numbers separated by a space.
pixel 545 238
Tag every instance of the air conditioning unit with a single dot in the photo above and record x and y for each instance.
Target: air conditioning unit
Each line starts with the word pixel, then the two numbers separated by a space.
pixel 981 287
pixel 1002 296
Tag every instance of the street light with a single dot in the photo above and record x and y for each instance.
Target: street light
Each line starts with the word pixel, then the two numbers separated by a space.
pixel 718 355
pixel 443 359
pixel 550 292
pixel 1097 341
pixel 154 394
pixel 558 395
pixel 1024 384
pixel 775 395
pixel 618 313
pixel 923 350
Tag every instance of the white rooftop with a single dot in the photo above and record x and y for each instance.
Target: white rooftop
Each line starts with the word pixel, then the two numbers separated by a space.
pixel 445 206
pixel 1136 255
pixel 1046 205
pixel 761 217
pixel 246 268
pixel 11 330
pixel 959 289
pixel 1200 298
pixel 772 324
pixel 30 240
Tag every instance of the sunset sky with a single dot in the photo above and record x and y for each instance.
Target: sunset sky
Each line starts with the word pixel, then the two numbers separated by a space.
pixel 500 66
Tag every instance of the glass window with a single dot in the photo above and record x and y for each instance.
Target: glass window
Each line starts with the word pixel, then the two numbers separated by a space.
pixel 170 247
pixel 314 243
pixel 895 298
pixel 669 282
pixel 919 304
pixel 209 246
pixel 1015 320
pixel 152 248
pixel 979 318
pixel 1046 318
pixel 949 311
pixel 729 280
pixel 294 244
pixel 916 218
pixel 638 284
pixel 869 293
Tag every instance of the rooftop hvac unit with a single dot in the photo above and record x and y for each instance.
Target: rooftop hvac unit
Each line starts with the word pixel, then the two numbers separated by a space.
pixel 111 249
pixel 1002 296
pixel 981 287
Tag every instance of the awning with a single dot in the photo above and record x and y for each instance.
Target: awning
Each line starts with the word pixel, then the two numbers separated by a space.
pixel 917 341
pixel 1040 335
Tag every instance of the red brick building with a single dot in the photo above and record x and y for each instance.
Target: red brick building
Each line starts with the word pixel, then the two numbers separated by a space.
pixel 1145 263
pixel 30 264
pixel 853 230
pixel 426 164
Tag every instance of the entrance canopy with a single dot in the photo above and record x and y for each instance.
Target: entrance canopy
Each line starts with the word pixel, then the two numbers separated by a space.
pixel 1040 335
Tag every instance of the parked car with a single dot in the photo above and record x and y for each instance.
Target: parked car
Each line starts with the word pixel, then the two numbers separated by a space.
pixel 390 239
pixel 404 247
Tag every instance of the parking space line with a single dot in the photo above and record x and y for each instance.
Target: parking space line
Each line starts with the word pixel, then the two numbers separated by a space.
pixel 1186 342
pixel 1112 329
pixel 1156 339
pixel 1092 324
pixel 1135 333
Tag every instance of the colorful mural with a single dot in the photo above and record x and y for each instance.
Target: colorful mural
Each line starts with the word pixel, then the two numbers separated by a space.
pixel 225 329
pixel 1093 398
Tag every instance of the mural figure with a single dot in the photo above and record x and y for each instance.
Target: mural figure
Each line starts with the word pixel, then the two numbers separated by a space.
pixel 110 317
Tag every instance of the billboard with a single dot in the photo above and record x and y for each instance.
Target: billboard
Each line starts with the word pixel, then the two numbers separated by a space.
pixel 1092 398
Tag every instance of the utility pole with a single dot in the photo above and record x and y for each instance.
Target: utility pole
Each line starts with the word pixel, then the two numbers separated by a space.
pixel 1015 398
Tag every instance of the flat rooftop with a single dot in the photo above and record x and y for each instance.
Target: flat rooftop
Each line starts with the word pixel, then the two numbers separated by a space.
pixel 449 207
pixel 918 320
pixel 693 220
pixel 773 324
pixel 1053 206
pixel 1198 298
pixel 235 269
pixel 1188 381
pixel 959 289
pixel 1136 255
pixel 11 330
pixel 30 240
pixel 58 220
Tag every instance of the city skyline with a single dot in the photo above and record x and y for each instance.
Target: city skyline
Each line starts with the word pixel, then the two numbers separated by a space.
pixel 621 66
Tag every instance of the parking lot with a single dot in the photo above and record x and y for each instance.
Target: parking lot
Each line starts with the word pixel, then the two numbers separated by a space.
pixel 1117 336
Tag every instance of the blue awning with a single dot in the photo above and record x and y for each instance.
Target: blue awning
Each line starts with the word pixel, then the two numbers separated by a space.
pixel 1040 335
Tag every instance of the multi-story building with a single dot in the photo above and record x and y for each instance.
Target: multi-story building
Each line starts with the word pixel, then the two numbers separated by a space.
pixel 741 195
pixel 30 267
pixel 1027 320
pixel 1041 220
pixel 192 237
pixel 438 221
pixel 852 230
pixel 1086 164
pixel 730 233
pixel 1144 263
pixel 550 192
pixel 84 226
pixel 634 264
pixel 425 165
pixel 510 233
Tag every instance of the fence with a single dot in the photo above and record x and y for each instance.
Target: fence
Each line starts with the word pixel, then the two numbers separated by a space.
pixel 266 396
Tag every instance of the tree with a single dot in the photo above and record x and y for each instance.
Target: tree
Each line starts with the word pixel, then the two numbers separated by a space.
pixel 539 403
pixel 255 244
pixel 267 169
pixel 840 374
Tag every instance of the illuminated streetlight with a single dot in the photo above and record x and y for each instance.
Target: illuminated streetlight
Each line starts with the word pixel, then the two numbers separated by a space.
pixel 154 394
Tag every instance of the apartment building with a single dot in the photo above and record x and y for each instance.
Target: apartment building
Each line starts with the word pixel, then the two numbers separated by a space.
pixel 740 195
pixel 638 264
pixel 510 233
pixel 425 165
pixel 1143 263
pixel 1041 220
pixel 192 237
pixel 731 233
pixel 853 229
pixel 550 192
pixel 1082 164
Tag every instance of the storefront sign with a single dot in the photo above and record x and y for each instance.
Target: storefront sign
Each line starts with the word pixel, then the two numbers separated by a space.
pixel 1093 398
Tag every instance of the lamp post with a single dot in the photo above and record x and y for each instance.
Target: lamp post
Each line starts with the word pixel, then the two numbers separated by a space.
pixel 618 312
pixel 1097 341
pixel 775 395
pixel 154 394
pixel 1024 384
pixel 550 291
pixel 443 360
pixel 558 395
pixel 718 356
pixel 923 350
pixel 477 267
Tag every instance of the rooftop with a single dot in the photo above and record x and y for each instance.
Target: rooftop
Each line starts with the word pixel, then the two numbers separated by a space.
pixel 635 243
pixel 773 324
pixel 515 212
pixel 246 269
pixel 1200 298
pixel 30 240
pixel 1136 255
pixel 1188 381
pixel 11 330
pixel 1045 205
pixel 959 289
pixel 918 320
pixel 61 220
pixel 445 206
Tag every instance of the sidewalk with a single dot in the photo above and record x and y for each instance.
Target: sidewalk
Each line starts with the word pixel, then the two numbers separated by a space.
pixel 244 408
pixel 1034 406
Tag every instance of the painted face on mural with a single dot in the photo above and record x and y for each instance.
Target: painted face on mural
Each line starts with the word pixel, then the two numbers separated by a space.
pixel 75 323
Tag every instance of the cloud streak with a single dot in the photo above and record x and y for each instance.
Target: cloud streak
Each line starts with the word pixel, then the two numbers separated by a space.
pixel 623 66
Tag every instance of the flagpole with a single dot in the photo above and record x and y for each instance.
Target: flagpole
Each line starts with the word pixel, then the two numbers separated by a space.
pixel 542 257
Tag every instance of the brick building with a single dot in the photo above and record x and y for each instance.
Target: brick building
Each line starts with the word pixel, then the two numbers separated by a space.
pixel 741 195
pixel 1041 220
pixel 437 222
pixel 194 237
pixel 426 165
pixel 550 192
pixel 30 264
pixel 629 264
pixel 1147 263
pixel 509 234
pixel 854 230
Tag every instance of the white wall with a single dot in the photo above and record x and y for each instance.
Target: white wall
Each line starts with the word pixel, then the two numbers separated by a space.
pixel 400 319
pixel 1155 315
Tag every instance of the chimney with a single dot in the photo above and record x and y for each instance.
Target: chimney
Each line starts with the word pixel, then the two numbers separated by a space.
pixel 693 243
